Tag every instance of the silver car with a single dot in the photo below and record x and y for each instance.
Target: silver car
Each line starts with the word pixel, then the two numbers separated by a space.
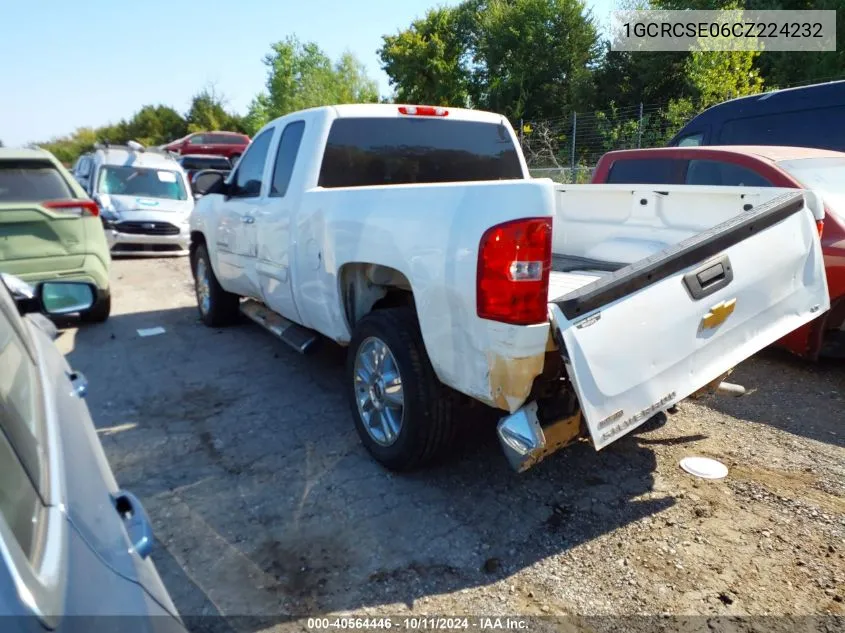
pixel 71 542
pixel 144 197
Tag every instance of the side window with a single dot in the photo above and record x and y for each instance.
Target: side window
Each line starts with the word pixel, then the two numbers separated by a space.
pixel 691 140
pixel 286 158
pixel 197 139
pixel 20 412
pixel 819 127
pixel 722 174
pixel 646 171
pixel 247 182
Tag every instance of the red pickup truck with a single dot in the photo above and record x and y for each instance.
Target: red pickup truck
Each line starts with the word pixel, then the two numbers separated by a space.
pixel 228 144
pixel 759 166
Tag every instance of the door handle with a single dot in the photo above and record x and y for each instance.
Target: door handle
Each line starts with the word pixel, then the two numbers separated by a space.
pixel 247 219
pixel 79 383
pixel 136 522
pixel 709 277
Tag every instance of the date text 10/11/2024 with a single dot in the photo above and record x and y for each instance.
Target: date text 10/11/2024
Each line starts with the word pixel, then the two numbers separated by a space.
pixel 420 623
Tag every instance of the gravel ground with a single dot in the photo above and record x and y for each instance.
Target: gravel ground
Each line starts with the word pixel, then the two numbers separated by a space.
pixel 265 503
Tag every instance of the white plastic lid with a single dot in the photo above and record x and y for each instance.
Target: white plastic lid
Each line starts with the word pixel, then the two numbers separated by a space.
pixel 704 467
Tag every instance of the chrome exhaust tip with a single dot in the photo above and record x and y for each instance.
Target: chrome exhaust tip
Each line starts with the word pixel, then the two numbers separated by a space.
pixel 522 438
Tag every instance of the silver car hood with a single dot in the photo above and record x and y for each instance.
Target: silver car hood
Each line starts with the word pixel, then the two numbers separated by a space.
pixel 138 208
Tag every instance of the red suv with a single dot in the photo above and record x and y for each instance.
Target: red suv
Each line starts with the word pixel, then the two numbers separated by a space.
pixel 769 166
pixel 228 144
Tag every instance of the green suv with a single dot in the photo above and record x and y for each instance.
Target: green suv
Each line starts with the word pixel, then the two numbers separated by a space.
pixel 49 228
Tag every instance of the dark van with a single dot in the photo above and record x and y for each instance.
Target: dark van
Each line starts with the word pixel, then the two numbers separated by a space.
pixel 809 116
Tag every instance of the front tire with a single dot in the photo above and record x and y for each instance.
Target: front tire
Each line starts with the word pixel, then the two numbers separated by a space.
pixel 217 307
pixel 403 414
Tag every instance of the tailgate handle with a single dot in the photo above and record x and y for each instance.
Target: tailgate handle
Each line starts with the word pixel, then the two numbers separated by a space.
pixel 709 277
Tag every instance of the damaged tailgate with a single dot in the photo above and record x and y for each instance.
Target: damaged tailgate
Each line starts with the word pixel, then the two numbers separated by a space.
pixel 652 333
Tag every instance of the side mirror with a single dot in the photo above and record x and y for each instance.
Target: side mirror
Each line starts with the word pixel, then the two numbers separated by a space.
pixel 65 297
pixel 208 181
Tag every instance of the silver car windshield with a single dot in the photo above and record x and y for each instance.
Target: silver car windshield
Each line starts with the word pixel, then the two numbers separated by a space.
pixel 141 181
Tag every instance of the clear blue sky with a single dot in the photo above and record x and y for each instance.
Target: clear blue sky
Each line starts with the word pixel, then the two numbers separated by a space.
pixel 73 64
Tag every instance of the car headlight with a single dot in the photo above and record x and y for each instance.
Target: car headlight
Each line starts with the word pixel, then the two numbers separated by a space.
pixel 109 217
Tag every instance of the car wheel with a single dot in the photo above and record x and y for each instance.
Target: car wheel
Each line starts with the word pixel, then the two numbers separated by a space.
pixel 100 311
pixel 403 414
pixel 217 307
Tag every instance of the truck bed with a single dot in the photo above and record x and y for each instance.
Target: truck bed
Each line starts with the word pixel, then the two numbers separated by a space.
pixel 569 274
pixel 562 283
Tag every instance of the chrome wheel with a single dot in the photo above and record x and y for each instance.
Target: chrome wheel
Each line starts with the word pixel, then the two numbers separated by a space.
pixel 378 391
pixel 202 286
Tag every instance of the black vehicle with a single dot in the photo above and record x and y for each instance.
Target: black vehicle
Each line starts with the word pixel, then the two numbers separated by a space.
pixel 809 116
pixel 193 163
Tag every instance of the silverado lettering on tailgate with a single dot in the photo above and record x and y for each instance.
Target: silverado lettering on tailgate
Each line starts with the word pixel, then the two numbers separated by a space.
pixel 619 429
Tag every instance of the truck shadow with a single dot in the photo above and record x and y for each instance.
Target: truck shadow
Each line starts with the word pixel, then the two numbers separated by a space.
pixel 790 394
pixel 266 507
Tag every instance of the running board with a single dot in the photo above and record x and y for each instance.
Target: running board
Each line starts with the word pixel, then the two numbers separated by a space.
pixel 299 338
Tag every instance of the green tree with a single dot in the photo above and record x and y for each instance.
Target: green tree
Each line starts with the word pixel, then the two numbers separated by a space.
pixel 156 125
pixel 534 57
pixel 302 76
pixel 523 58
pixel 208 112
pixel 428 63
pixel 781 68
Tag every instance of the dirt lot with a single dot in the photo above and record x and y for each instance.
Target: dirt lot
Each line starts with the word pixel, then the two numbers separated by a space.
pixel 265 504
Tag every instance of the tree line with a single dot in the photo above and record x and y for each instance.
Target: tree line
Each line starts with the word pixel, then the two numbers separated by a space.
pixel 531 60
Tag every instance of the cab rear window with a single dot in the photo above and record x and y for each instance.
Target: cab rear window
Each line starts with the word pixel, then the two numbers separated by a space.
pixel 380 151
pixel 646 171
pixel 32 181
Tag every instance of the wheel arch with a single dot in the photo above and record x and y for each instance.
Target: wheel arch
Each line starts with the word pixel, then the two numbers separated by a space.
pixel 364 287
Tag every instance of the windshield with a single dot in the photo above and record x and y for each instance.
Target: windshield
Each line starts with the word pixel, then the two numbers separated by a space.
pixel 142 182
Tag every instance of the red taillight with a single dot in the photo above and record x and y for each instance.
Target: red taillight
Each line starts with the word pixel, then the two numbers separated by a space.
pixel 820 226
pixel 514 260
pixel 423 111
pixel 73 207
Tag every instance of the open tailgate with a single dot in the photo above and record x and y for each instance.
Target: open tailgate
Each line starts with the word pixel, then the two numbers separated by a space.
pixel 654 332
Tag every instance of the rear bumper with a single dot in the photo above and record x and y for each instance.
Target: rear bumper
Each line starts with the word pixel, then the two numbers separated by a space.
pixel 148 245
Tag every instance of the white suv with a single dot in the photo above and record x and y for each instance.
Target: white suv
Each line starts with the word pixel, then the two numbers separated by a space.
pixel 144 196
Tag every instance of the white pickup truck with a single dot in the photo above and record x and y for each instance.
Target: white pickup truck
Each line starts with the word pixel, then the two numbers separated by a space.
pixel 415 236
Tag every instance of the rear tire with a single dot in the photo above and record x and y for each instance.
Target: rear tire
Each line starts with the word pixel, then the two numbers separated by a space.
pixel 423 431
pixel 217 307
pixel 100 311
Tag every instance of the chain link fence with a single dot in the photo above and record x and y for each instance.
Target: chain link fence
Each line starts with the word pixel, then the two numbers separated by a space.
pixel 566 149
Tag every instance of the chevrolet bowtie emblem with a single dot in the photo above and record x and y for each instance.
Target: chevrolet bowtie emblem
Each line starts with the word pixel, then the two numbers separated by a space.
pixel 717 314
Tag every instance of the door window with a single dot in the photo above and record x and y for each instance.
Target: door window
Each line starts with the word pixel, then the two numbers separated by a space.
pixel 820 127
pixel 250 171
pixel 286 157
pixel 691 140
